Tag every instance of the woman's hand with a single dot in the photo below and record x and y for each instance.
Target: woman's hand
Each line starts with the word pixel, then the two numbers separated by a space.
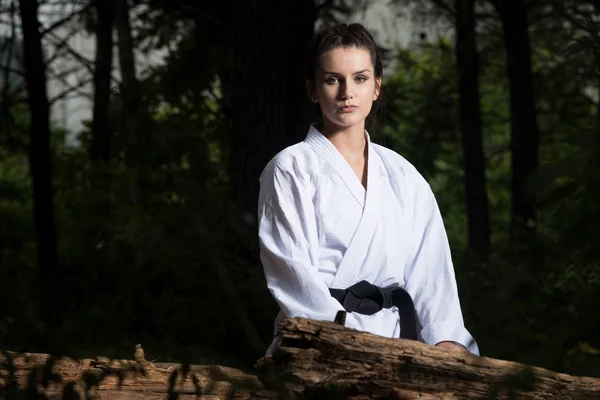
pixel 451 346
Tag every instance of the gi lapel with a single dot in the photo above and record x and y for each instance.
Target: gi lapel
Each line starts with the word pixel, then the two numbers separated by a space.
pixel 361 240
pixel 324 148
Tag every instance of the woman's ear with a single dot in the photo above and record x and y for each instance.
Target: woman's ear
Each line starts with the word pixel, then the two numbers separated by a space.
pixel 311 92
pixel 377 88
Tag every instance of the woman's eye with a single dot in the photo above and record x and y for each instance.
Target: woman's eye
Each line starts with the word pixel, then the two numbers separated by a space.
pixel 331 80
pixel 361 78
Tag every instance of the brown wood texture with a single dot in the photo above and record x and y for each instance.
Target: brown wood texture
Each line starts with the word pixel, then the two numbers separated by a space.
pixel 314 360
pixel 24 376
pixel 321 359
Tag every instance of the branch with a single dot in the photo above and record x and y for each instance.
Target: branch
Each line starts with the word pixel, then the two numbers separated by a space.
pixel 60 45
pixel 7 69
pixel 186 10
pixel 66 72
pixel 573 20
pixel 71 89
pixel 590 99
pixel 62 78
pixel 66 19
pixel 88 64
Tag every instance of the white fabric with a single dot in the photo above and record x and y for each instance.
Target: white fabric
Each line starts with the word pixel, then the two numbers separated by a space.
pixel 320 228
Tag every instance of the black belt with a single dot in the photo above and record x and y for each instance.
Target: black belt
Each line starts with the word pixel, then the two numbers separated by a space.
pixel 366 298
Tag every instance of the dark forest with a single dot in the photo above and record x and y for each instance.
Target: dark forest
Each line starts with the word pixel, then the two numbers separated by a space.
pixel 138 223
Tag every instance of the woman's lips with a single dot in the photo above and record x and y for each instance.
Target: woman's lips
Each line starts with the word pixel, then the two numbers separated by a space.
pixel 347 109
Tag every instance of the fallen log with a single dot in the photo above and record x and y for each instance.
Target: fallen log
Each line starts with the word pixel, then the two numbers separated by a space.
pixel 322 359
pixel 41 376
pixel 314 360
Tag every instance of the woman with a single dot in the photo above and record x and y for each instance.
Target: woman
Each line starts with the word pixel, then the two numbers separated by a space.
pixel 337 211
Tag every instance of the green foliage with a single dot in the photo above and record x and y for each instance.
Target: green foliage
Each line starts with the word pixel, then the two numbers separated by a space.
pixel 171 272
pixel 422 123
pixel 537 302
pixel 160 271
pixel 17 244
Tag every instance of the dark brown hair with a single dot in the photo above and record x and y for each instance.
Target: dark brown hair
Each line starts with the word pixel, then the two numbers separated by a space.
pixel 343 35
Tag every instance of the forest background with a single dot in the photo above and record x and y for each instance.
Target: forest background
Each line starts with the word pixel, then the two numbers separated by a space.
pixel 140 225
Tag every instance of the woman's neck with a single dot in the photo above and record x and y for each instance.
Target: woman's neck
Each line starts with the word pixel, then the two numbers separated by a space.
pixel 349 141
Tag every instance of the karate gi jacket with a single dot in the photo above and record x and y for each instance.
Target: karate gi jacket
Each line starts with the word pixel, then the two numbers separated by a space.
pixel 319 228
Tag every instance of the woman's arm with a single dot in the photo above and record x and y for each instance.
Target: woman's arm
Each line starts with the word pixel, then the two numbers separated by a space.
pixel 286 233
pixel 430 278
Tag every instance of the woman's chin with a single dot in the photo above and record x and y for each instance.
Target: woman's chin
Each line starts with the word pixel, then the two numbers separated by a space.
pixel 346 121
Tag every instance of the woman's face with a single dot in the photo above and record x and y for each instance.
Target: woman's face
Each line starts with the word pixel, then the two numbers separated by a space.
pixel 345 86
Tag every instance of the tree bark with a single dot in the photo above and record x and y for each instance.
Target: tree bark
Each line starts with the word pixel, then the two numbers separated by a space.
pixel 300 112
pixel 594 171
pixel 313 360
pixel 40 161
pixel 594 164
pixel 258 94
pixel 22 376
pixel 472 138
pixel 325 360
pixel 101 130
pixel 523 117
pixel 266 88
pixel 130 97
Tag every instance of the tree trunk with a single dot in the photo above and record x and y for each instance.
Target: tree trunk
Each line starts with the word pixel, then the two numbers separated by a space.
pixel 101 130
pixel 472 138
pixel 523 117
pixel 595 152
pixel 130 130
pixel 258 93
pixel 300 112
pixel 40 161
pixel 130 97
pixel 266 74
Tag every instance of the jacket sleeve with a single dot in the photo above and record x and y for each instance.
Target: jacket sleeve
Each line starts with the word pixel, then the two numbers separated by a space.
pixel 288 241
pixel 429 275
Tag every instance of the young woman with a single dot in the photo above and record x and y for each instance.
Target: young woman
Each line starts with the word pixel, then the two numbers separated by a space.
pixel 348 225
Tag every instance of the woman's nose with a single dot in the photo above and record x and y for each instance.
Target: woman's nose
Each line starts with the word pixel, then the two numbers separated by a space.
pixel 347 91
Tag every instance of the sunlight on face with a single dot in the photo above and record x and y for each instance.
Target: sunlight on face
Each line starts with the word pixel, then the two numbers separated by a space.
pixel 345 86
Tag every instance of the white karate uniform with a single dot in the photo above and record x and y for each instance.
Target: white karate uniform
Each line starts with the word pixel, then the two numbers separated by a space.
pixel 320 228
